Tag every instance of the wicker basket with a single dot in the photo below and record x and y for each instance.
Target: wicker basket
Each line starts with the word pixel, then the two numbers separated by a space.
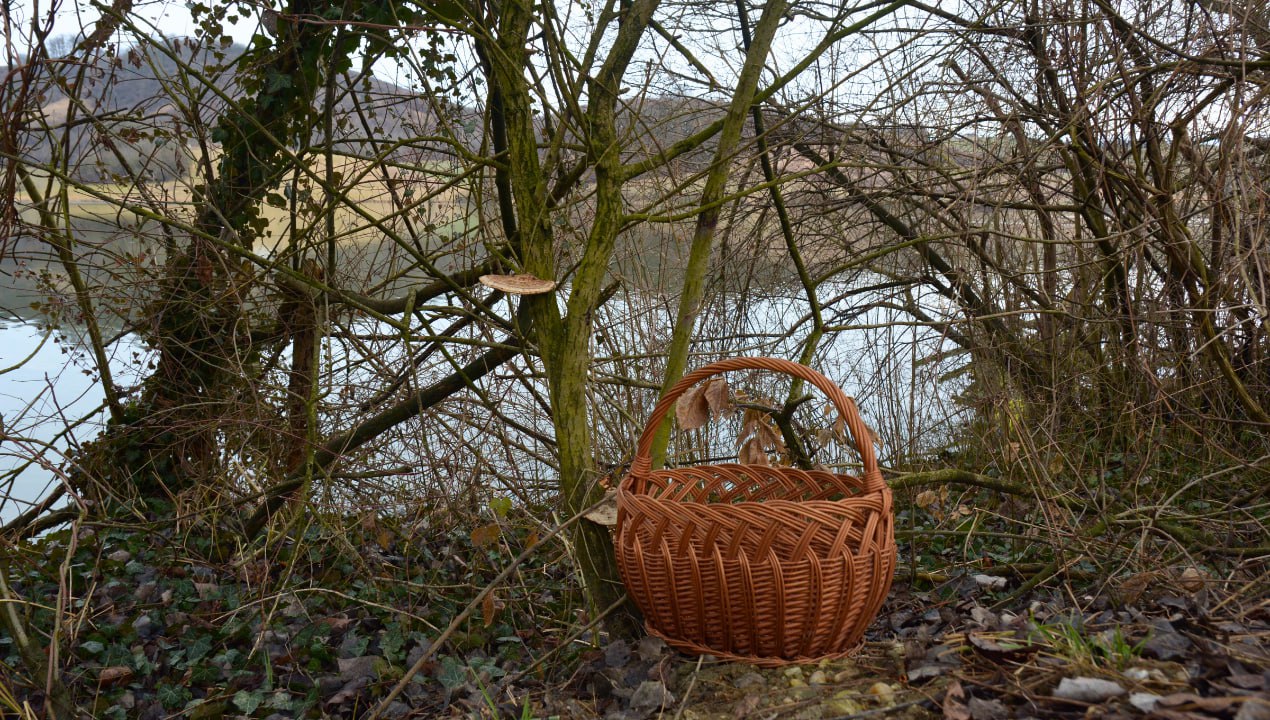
pixel 769 565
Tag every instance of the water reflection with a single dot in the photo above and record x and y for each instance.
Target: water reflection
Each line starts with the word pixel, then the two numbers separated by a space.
pixel 49 383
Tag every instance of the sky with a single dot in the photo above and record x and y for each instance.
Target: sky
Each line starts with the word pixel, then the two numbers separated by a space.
pixel 169 17
pixel 715 40
pixel 172 18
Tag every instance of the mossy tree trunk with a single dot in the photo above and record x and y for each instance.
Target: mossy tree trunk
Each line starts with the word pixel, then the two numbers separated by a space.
pixel 163 443
pixel 563 339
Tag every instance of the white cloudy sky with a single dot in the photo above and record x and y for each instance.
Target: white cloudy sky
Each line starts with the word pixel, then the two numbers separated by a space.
pixel 169 17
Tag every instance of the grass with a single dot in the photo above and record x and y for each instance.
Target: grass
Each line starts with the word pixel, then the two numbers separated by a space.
pixel 1107 650
pixel 105 203
pixel 20 710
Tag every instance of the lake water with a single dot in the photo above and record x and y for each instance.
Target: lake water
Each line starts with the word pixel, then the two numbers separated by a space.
pixel 48 380
pixel 51 380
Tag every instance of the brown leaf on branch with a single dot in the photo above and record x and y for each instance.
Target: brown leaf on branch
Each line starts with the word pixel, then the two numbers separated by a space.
pixel 759 431
pixel 838 430
pixel 752 453
pixel 767 434
pixel 718 397
pixel 701 402
pixel 488 608
pixel 692 410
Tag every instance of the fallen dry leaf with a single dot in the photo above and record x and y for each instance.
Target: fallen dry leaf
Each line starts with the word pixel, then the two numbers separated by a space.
pixel 488 609
pixel 1254 708
pixel 1131 589
pixel 1165 643
pixel 617 653
pixel 955 702
pixel 485 535
pixel 1248 681
pixel 746 706
pixel 114 675
pixel 336 623
pixel 1193 579
pixel 1000 649
pixel 1087 689
pixel 926 672
pixel 1191 701
pixel 992 582
pixel 1144 701
pixel 365 666
pixel 651 695
pixel 988 709
pixel 882 691
pixel 651 648
pixel 926 499
pixel 349 692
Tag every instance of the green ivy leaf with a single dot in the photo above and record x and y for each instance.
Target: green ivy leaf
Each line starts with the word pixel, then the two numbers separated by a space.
pixel 451 673
pixel 392 640
pixel 282 700
pixel 173 696
pixel 248 701
pixel 355 645
pixel 276 81
pixel 501 506
pixel 200 647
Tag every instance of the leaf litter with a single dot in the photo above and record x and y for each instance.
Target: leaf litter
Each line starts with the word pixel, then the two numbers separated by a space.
pixel 167 636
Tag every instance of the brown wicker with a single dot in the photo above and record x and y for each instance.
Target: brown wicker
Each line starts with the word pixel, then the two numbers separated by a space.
pixel 769 565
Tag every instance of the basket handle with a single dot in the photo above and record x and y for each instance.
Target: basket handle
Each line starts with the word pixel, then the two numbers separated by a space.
pixel 873 482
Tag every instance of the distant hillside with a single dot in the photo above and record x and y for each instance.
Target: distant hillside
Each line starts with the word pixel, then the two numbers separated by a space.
pixel 143 110
pixel 139 111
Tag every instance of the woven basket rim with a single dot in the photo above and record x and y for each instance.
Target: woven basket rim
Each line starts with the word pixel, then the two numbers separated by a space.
pixel 850 499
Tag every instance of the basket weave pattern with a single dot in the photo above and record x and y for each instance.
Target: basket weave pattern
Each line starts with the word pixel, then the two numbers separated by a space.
pixel 769 565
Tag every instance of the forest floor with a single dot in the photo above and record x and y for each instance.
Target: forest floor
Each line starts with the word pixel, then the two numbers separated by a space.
pixel 331 625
